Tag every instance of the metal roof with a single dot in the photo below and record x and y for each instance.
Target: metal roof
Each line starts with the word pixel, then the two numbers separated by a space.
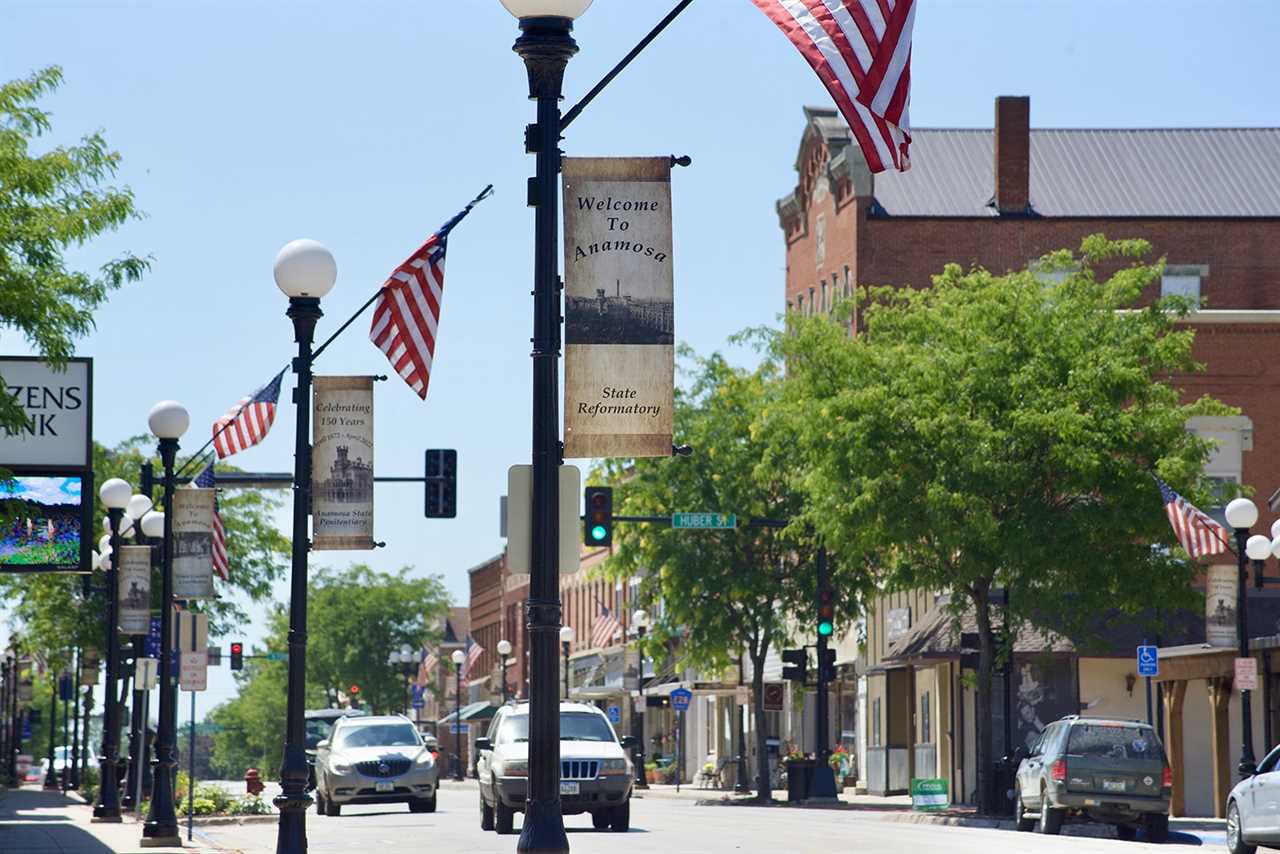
pixel 1087 172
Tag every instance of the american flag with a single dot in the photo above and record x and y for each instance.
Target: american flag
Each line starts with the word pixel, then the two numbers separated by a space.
pixel 861 50
pixel 207 480
pixel 407 312
pixel 246 424
pixel 427 668
pixel 473 651
pixel 1199 533
pixel 605 627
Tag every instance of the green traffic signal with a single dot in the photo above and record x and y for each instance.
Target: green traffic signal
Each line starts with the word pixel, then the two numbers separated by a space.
pixel 598 533
pixel 824 628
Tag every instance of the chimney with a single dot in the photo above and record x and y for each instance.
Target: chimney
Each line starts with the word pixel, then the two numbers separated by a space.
pixel 1013 154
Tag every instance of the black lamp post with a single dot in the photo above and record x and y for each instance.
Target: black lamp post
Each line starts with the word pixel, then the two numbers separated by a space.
pixel 305 271
pixel 75 722
pixel 566 642
pixel 115 494
pixel 640 619
pixel 458 658
pixel 1241 514
pixel 168 421
pixel 50 775
pixel 6 677
pixel 402 661
pixel 139 505
pixel 504 652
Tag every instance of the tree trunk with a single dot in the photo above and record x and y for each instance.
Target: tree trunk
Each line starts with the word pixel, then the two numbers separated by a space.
pixel 764 791
pixel 984 744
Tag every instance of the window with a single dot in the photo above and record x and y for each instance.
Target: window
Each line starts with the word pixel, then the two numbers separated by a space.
pixel 926 728
pixel 1182 280
pixel 847 293
pixel 835 291
pixel 812 308
pixel 800 303
pixel 1110 741
pixel 824 305
pixel 875 723
pixel 574 726
pixel 820 239
pixel 378 735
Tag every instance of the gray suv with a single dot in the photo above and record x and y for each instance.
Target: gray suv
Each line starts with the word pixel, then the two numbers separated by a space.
pixel 1109 771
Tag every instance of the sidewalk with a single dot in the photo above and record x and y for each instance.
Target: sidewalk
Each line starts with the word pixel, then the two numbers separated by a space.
pixel 33 821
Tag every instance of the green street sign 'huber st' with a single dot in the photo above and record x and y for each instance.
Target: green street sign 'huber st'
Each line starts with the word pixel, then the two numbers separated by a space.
pixel 707 521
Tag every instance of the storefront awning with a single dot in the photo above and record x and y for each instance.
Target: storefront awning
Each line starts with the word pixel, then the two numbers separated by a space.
pixel 479 711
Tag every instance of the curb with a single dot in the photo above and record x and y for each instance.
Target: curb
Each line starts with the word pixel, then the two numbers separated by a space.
pixel 223 820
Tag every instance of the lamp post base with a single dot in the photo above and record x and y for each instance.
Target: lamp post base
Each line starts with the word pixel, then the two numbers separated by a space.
pixel 543 830
pixel 160 842
pixel 106 819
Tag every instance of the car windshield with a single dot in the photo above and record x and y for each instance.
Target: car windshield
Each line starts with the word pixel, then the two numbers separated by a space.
pixel 317 731
pixel 574 726
pixel 379 735
pixel 1114 742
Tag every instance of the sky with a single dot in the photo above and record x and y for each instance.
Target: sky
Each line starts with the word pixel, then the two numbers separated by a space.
pixel 243 125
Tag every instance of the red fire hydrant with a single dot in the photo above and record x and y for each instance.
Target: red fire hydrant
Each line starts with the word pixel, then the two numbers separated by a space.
pixel 253 781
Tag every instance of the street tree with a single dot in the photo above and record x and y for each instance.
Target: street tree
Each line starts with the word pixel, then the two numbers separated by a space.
pixel 716 594
pixel 1001 432
pixel 50 202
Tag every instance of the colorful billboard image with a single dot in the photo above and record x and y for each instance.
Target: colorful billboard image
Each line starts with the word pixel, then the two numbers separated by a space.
pixel 42 519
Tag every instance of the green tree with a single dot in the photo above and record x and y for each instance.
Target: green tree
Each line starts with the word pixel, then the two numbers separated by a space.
pixel 50 202
pixel 1002 432
pixel 716 593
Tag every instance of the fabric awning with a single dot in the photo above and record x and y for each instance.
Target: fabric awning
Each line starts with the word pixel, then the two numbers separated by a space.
pixel 482 710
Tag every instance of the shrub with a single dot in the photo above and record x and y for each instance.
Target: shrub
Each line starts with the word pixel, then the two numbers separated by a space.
pixel 218 796
pixel 204 806
pixel 250 805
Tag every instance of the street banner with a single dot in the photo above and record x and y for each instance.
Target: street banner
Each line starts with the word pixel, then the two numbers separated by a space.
pixel 193 672
pixel 929 794
pixel 193 543
pixel 619 328
pixel 1220 606
pixel 135 590
pixel 342 464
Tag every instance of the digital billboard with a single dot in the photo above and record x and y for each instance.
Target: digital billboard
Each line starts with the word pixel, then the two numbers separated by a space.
pixel 43 519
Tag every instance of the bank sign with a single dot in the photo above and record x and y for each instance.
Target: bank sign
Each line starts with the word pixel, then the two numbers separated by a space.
pixel 58 407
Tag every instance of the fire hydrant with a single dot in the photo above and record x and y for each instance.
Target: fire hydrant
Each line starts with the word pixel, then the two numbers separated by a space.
pixel 253 781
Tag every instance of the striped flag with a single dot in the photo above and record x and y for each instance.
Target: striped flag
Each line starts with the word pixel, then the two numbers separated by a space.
pixel 473 651
pixel 406 314
pixel 427 668
pixel 207 480
pixel 246 424
pixel 1199 533
pixel 606 625
pixel 861 50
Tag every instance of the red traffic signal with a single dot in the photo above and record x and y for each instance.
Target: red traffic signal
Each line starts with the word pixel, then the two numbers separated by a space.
pixel 237 649
pixel 355 689
pixel 237 656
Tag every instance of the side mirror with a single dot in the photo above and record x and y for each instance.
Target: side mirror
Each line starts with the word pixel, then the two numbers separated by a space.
pixel 484 744
pixel 322 745
pixel 627 742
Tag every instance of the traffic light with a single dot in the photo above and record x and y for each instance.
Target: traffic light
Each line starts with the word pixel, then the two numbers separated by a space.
pixel 795 664
pixel 237 656
pixel 442 483
pixel 826 611
pixel 826 665
pixel 597 530
pixel 354 696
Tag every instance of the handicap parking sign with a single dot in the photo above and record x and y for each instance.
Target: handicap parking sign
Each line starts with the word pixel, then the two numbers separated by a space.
pixel 1148 661
pixel 615 714
pixel 680 699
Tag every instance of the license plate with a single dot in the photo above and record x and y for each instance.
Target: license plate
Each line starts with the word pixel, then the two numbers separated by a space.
pixel 1113 785
pixel 384 787
pixel 569 788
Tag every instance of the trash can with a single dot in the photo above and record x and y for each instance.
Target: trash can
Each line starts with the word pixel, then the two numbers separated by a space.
pixel 799 777
pixel 1005 780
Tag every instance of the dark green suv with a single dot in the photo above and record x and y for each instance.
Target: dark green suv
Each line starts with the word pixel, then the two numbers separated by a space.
pixel 1108 771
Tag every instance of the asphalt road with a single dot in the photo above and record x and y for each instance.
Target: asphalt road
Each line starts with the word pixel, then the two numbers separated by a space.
pixel 663 826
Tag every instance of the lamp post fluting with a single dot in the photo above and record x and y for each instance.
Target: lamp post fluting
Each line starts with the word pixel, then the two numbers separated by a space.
pixel 305 271
pixel 168 420
pixel 1241 514
pixel 504 652
pixel 458 658
pixel 640 619
pixel 115 494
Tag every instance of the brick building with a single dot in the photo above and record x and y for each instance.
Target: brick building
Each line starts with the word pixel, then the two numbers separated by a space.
pixel 1208 200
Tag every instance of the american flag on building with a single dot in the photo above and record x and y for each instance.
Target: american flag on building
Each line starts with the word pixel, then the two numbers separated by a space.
pixel 473 651
pixel 606 625
pixel 861 50
pixel 207 480
pixel 406 315
pixel 1199 533
pixel 247 423
pixel 426 668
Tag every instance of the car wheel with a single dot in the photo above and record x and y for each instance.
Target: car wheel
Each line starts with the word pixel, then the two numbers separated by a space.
pixel 1025 822
pixel 423 804
pixel 1050 819
pixel 486 815
pixel 621 818
pixel 319 802
pixel 1157 827
pixel 600 819
pixel 1235 832
pixel 331 809
pixel 503 817
pixel 1127 832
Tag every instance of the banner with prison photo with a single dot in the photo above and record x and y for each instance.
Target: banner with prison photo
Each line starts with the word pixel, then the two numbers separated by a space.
pixel 619 327
pixel 342 463
pixel 135 590
pixel 193 543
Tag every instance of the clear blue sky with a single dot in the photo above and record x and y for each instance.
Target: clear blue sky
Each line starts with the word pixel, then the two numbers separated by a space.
pixel 245 124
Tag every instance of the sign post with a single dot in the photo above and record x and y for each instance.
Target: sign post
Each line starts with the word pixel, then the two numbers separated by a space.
pixel 1148 666
pixel 680 699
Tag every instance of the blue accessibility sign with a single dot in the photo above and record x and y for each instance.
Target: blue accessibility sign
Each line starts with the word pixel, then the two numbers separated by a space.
pixel 1148 661
pixel 681 698
pixel 614 714
pixel 152 644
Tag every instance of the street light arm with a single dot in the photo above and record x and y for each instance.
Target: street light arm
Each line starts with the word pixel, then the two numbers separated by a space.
pixel 626 60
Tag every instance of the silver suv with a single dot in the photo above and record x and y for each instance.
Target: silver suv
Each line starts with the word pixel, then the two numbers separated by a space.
pixel 595 771
pixel 375 760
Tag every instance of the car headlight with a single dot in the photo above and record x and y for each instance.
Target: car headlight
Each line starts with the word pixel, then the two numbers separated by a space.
pixel 513 768
pixel 615 768
pixel 425 758
pixel 340 767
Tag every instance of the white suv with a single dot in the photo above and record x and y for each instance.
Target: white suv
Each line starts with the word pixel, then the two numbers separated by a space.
pixel 595 772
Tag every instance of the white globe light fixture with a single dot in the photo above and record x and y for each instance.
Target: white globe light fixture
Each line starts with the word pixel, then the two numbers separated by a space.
pixel 640 619
pixel 406 652
pixel 1275 548
pixel 104 544
pixel 305 268
pixel 125 526
pixel 168 419
pixel 546 8
pixel 458 657
pixel 393 658
pixel 95 559
pixel 138 506
pixel 1258 547
pixel 567 634
pixel 153 524
pixel 1242 513
pixel 115 493
pixel 1275 530
pixel 504 648
pixel 104 562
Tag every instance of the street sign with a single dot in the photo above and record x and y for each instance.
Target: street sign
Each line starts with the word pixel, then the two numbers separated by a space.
pixel 615 714
pixel 1148 661
pixel 277 656
pixel 152 645
pixel 743 694
pixel 459 729
pixel 929 794
pixel 705 521
pixel 1246 674
pixel 773 696
pixel 419 703
pixel 145 671
pixel 193 672
pixel 680 699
